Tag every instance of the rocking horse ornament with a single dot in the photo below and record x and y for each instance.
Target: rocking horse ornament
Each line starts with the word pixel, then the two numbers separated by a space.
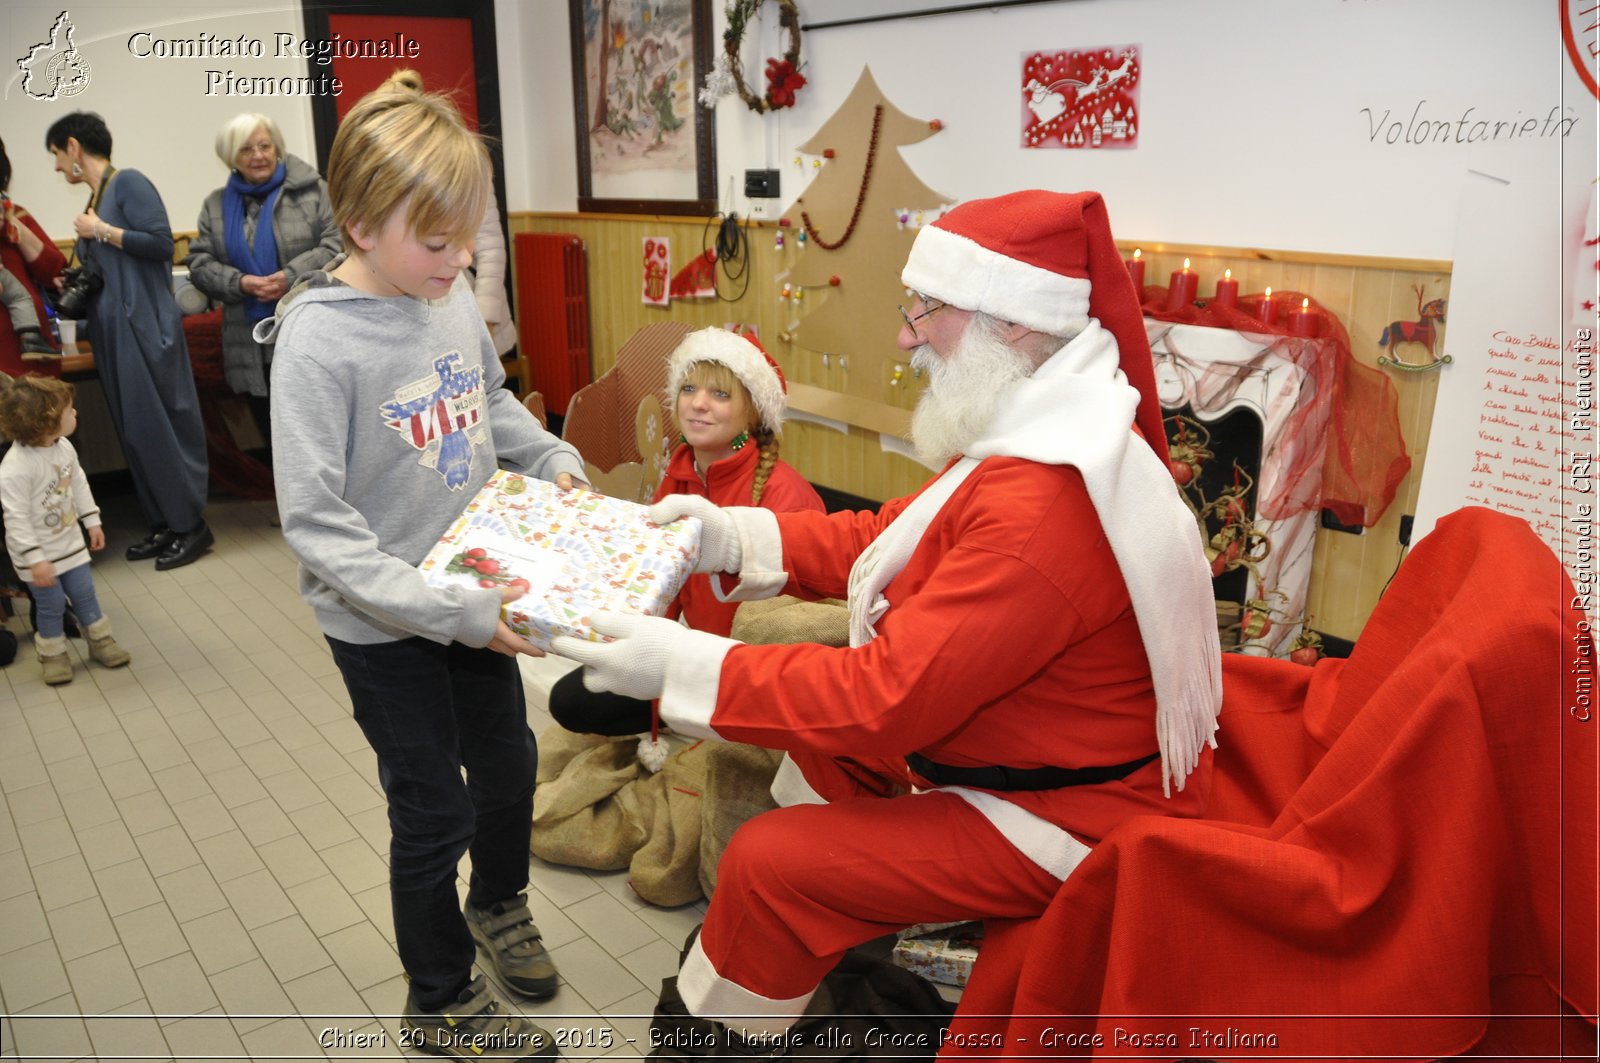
pixel 1423 330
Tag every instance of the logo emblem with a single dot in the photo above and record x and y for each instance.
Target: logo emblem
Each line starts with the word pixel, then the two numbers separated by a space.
pixel 55 69
pixel 441 415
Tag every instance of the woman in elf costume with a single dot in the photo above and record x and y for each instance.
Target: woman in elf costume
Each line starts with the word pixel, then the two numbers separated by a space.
pixel 729 399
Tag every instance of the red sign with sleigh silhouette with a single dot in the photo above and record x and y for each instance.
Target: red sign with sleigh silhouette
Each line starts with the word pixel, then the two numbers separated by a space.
pixel 1086 98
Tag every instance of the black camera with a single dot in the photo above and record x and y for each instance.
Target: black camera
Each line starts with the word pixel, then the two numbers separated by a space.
pixel 79 286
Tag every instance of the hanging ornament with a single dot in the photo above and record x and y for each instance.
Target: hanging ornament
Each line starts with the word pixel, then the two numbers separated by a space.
pixel 833 281
pixel 801 238
pixel 783 75
pixel 780 240
pixel 788 289
pixel 861 195
pixel 899 371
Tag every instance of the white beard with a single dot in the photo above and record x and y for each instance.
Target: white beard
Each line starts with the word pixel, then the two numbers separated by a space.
pixel 964 392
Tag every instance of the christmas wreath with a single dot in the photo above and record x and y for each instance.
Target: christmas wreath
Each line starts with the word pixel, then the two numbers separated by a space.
pixel 783 75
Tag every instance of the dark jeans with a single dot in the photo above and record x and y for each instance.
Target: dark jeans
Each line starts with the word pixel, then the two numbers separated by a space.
pixel 428 711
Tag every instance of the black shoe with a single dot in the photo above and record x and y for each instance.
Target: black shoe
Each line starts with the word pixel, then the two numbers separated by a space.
pixel 153 545
pixel 185 548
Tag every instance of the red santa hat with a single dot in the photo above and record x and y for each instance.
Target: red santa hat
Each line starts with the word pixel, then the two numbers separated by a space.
pixel 1047 261
pixel 745 358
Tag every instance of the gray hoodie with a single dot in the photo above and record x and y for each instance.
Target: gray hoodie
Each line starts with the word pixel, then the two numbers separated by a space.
pixel 387 416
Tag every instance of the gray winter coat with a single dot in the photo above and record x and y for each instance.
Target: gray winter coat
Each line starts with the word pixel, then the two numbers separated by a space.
pixel 302 223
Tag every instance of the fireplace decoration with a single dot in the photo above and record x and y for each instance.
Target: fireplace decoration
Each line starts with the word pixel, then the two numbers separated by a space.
pixel 1245 432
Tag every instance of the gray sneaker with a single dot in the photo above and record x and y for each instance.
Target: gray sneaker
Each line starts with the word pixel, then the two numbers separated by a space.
pixel 505 931
pixel 476 1027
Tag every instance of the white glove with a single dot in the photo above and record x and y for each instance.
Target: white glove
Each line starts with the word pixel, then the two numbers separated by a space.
pixel 719 536
pixel 635 665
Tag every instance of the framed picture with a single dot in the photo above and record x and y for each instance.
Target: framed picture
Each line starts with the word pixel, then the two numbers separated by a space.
pixel 645 145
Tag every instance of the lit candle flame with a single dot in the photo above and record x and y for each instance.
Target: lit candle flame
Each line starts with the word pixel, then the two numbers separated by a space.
pixel 1137 254
pixel 1227 274
pixel 1186 265
pixel 1269 294
pixel 1305 305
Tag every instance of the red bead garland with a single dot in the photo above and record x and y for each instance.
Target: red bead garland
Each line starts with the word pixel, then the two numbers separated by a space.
pixel 861 196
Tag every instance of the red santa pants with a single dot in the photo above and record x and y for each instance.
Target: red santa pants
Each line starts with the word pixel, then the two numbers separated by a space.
pixel 799 886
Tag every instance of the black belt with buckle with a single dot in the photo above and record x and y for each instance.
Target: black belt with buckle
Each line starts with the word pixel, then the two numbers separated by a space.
pixel 1000 778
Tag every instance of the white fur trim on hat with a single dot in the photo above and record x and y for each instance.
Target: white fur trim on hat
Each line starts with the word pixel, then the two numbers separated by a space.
pixel 748 362
pixel 953 269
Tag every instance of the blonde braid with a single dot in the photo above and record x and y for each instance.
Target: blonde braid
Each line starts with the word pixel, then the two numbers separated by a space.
pixel 769 457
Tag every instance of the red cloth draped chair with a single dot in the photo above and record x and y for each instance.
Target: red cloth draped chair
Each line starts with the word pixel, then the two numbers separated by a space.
pixel 1398 859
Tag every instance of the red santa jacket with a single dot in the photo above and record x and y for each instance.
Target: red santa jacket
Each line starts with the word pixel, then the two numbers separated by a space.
pixel 728 483
pixel 1010 640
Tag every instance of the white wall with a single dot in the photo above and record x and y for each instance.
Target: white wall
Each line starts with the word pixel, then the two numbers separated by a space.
pixel 163 122
pixel 1256 127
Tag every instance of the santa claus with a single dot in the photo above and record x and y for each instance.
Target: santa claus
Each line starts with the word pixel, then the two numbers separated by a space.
pixel 1033 655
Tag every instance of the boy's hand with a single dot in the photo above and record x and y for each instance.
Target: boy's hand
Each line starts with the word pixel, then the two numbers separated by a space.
pixel 44 574
pixel 566 481
pixel 97 538
pixel 507 641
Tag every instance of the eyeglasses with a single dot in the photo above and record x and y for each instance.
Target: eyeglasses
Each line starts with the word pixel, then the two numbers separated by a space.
pixel 269 149
pixel 911 322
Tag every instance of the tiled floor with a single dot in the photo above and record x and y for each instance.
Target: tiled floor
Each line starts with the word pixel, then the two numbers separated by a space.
pixel 192 848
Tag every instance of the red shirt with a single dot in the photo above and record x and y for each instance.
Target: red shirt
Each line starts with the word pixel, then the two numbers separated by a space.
pixel 728 483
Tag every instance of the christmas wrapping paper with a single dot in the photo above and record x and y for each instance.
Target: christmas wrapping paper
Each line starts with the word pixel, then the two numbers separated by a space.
pixel 946 955
pixel 574 552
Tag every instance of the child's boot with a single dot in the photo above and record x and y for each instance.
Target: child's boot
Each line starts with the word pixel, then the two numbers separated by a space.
pixel 53 659
pixel 104 648
pixel 35 348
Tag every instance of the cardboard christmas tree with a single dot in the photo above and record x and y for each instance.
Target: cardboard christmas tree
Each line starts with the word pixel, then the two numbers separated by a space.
pixel 860 216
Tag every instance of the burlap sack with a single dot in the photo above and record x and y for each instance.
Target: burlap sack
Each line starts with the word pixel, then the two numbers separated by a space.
pixel 584 811
pixel 786 619
pixel 597 807
pixel 738 787
pixel 665 870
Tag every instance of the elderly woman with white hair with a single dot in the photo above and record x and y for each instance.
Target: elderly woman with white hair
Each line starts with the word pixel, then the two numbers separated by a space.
pixel 270 223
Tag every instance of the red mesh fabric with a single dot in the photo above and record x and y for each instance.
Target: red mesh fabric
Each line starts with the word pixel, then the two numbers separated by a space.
pixel 1354 406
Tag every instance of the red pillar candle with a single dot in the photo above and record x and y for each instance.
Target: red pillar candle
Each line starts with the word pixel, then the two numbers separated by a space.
pixel 1227 291
pixel 1267 312
pixel 1185 285
pixel 1303 322
pixel 1136 271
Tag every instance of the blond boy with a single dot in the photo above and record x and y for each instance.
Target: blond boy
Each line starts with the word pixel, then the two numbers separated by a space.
pixel 388 415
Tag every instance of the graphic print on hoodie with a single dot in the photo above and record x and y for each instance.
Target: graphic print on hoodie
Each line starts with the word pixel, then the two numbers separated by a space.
pixel 442 416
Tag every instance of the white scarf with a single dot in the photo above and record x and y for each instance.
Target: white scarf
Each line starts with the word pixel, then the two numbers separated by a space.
pixel 1077 409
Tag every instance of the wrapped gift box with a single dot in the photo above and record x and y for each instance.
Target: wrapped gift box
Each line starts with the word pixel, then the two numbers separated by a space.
pixel 576 552
pixel 946 955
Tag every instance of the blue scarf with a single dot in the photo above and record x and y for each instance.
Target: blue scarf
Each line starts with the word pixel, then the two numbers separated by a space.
pixel 261 260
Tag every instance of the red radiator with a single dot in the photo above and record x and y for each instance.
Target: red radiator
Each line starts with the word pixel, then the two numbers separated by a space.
pixel 553 315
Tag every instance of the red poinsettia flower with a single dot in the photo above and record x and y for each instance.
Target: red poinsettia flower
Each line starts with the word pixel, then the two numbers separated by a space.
pixel 783 80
